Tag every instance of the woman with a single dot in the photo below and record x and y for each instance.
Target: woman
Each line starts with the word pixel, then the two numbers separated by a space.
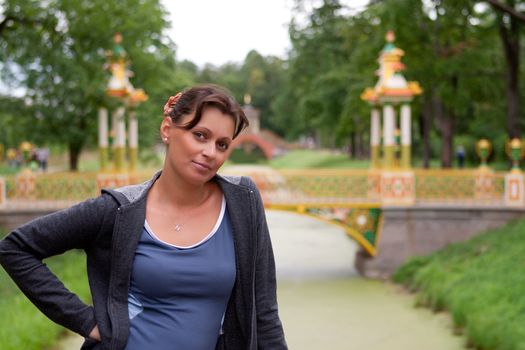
pixel 183 261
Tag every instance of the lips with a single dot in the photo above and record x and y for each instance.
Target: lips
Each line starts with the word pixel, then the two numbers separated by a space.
pixel 201 166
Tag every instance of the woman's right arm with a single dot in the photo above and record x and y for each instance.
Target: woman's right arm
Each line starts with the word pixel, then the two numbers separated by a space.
pixel 22 252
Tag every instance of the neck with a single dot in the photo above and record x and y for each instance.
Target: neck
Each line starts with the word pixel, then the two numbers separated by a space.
pixel 177 193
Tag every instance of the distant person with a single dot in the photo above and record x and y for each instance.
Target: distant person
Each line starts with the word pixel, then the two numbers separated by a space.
pixel 33 162
pixel 19 158
pixel 42 156
pixel 182 261
pixel 12 158
pixel 460 156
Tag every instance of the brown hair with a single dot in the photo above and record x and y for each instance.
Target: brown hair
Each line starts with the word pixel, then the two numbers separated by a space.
pixel 197 99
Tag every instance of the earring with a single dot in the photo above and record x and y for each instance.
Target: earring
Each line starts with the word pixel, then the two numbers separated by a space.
pixel 165 139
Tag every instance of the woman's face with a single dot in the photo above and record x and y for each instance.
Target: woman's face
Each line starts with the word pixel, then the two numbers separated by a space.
pixel 195 155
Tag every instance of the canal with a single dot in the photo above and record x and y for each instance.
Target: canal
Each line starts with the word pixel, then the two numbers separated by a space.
pixel 324 304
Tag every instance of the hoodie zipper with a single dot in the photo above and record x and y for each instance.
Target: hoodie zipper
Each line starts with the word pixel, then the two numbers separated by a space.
pixel 111 311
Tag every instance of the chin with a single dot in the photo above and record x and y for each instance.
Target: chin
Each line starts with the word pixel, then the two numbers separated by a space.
pixel 200 179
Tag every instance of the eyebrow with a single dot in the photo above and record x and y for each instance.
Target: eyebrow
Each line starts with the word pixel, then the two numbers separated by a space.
pixel 211 132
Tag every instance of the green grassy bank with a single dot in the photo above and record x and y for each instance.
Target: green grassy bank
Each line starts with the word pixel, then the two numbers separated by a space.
pixel 481 283
pixel 22 326
pixel 300 159
pixel 316 159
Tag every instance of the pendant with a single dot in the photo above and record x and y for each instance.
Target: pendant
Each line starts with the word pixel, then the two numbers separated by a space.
pixel 178 227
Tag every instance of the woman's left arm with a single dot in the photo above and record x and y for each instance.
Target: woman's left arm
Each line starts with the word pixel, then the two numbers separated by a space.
pixel 270 334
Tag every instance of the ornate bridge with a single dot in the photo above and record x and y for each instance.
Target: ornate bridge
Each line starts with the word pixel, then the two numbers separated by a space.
pixel 352 199
pixel 357 199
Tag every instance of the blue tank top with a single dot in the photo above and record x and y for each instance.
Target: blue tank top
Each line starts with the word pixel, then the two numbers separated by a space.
pixel 178 295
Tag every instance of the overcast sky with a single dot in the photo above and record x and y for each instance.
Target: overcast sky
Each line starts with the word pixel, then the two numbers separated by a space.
pixel 212 31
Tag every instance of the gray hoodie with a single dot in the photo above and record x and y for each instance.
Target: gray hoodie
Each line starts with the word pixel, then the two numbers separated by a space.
pixel 108 228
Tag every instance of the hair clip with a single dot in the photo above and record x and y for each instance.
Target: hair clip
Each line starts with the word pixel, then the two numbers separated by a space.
pixel 172 101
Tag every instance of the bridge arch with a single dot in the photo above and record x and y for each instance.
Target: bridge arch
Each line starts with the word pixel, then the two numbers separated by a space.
pixel 361 223
pixel 305 247
pixel 266 147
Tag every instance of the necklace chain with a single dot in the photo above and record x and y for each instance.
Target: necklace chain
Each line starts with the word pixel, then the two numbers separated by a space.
pixel 180 226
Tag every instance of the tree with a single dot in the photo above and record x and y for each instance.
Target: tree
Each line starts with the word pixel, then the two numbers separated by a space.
pixel 55 50
pixel 317 77
pixel 449 51
pixel 509 22
pixel 259 76
pixel 16 123
pixel 263 79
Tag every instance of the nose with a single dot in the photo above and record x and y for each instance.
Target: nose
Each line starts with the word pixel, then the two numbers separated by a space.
pixel 209 150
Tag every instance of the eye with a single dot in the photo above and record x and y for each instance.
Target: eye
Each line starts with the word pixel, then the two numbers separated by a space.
pixel 199 135
pixel 223 146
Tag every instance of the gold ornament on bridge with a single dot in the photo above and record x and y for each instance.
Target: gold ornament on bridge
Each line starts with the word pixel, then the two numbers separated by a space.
pixel 25 148
pixel 515 149
pixel 483 149
pixel 360 220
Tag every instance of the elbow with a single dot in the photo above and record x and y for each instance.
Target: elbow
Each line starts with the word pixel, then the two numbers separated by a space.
pixel 4 249
pixel 8 250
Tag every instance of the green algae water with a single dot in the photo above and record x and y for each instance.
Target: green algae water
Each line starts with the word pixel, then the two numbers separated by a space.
pixel 360 314
pixel 324 304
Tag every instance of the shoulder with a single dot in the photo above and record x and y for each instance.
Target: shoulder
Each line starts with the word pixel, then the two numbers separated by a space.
pixel 244 182
pixel 131 193
pixel 93 209
pixel 238 190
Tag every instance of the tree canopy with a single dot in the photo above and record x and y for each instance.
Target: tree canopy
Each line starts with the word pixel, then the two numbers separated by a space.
pixel 55 51
pixel 464 53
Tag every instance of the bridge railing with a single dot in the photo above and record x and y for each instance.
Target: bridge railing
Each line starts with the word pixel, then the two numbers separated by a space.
pixel 313 186
pixel 290 187
pixel 30 187
pixel 469 187
pixel 363 186
pixel 51 187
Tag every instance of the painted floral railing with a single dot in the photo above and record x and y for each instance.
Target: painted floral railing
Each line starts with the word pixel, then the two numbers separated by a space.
pixel 319 187
pixel 459 187
pixel 351 199
pixel 362 186
pixel 61 186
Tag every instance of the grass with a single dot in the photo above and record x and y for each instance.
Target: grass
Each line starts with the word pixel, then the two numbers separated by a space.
pixel 7 170
pixel 316 159
pixel 299 159
pixel 436 164
pixel 22 326
pixel 238 156
pixel 480 282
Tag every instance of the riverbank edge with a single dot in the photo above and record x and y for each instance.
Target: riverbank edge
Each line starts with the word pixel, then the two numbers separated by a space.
pixel 479 282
